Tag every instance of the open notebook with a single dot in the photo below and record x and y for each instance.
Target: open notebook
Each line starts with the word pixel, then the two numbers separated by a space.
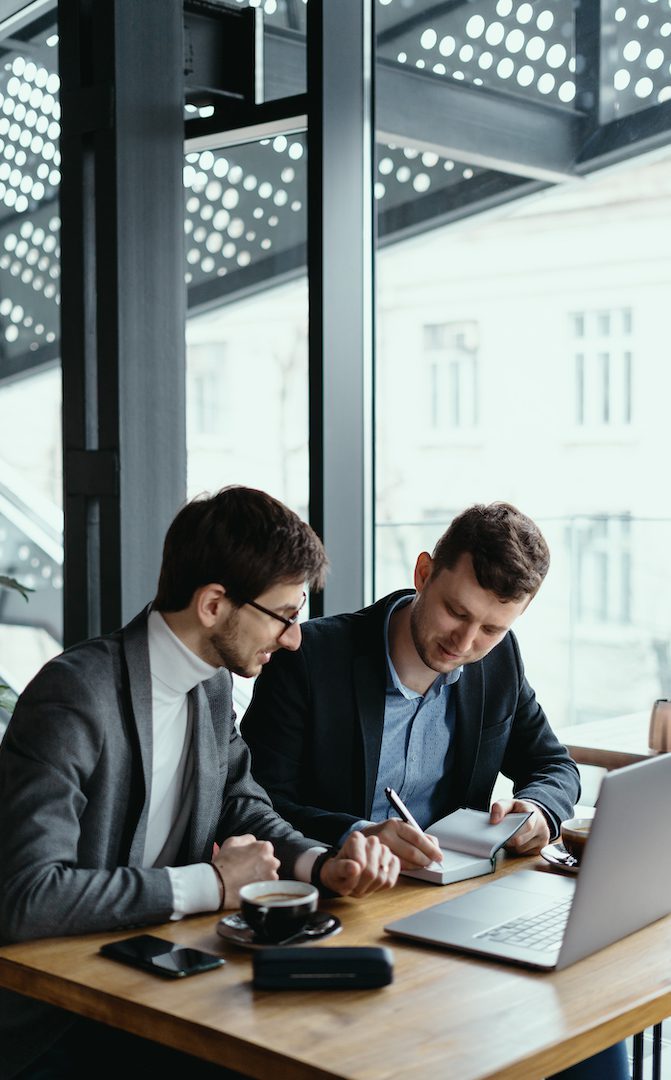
pixel 469 844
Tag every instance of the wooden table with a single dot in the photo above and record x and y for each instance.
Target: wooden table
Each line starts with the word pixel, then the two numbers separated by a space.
pixel 611 743
pixel 444 1015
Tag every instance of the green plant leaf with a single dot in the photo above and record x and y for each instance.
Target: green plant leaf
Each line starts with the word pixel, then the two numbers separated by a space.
pixel 8 698
pixel 11 583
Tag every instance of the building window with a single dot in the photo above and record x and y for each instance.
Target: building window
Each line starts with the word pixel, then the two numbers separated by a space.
pixel 206 402
pixel 206 406
pixel 451 351
pixel 602 356
pixel 601 549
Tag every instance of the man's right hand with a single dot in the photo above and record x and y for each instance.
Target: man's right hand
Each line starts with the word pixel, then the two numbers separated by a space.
pixel 242 859
pixel 414 848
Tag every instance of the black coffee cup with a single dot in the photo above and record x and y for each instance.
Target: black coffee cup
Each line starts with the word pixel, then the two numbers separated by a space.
pixel 574 836
pixel 277 910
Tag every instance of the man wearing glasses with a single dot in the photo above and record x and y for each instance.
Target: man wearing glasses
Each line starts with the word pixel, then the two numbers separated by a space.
pixel 126 796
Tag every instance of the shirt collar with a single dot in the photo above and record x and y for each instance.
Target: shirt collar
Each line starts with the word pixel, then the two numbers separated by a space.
pixel 170 661
pixel 393 679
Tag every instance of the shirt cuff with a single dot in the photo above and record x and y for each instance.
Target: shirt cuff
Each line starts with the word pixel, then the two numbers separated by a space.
pixel 305 862
pixel 194 888
pixel 356 827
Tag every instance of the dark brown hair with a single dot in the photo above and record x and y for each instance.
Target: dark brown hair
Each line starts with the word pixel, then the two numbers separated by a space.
pixel 509 553
pixel 241 538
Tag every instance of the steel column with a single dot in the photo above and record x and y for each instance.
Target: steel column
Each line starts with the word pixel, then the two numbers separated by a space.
pixel 340 262
pixel 123 301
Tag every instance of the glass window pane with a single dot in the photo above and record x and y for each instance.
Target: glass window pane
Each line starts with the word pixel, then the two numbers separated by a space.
pixel 245 217
pixel 523 48
pixel 635 56
pixel 31 520
pixel 247 353
pixel 567 291
pixel 284 53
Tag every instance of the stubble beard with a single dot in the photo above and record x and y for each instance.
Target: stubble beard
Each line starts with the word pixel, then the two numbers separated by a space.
pixel 419 638
pixel 224 650
pixel 417 634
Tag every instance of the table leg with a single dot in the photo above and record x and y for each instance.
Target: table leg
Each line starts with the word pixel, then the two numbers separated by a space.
pixel 637 1073
pixel 657 1052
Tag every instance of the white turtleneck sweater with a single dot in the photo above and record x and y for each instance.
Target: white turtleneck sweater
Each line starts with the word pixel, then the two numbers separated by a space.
pixel 175 670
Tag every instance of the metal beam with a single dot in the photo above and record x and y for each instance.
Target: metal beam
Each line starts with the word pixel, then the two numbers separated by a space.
pixel 234 125
pixel 426 17
pixel 475 124
pixel 638 133
pixel 29 363
pixel 340 253
pixel 444 207
pixel 591 32
pixel 123 301
pixel 15 14
pixel 219 45
pixel 258 276
pixel 284 63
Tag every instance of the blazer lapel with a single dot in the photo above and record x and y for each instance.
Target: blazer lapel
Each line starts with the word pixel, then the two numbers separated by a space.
pixel 206 763
pixel 469 695
pixel 137 661
pixel 370 683
pixel 369 695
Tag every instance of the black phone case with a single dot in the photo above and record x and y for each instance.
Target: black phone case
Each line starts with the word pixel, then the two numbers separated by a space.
pixel 139 951
pixel 315 968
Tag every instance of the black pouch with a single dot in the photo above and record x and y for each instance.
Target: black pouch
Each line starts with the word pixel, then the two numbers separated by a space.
pixel 315 968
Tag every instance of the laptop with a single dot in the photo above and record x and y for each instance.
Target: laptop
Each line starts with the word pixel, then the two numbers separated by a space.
pixel 547 920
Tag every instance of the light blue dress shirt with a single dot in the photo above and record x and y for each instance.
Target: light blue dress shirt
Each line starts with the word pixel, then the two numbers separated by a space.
pixel 416 742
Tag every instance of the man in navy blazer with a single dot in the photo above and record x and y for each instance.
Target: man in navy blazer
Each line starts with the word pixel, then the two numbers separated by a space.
pixel 423 691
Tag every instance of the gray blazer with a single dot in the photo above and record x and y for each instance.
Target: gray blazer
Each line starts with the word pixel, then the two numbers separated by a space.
pixel 75 776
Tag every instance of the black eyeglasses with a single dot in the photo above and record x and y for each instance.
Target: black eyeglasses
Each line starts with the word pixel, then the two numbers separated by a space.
pixel 280 618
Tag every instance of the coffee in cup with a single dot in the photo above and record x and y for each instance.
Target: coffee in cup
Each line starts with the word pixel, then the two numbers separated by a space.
pixel 574 835
pixel 276 910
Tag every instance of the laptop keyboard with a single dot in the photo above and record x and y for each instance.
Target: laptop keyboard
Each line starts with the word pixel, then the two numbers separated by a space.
pixel 541 931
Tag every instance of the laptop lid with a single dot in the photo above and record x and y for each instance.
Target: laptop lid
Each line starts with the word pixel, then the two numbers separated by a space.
pixel 624 883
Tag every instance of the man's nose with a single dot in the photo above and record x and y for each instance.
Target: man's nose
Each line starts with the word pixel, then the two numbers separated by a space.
pixel 463 637
pixel 291 638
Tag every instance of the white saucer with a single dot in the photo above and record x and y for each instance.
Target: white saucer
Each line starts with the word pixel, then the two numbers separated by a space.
pixel 557 855
pixel 233 928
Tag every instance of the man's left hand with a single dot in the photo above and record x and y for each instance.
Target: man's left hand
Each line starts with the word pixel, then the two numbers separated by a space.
pixel 363 865
pixel 535 832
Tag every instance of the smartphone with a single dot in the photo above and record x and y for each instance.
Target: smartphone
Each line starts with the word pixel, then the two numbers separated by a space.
pixel 161 957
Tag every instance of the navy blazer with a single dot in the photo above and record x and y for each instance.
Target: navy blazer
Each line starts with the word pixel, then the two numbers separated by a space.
pixel 314 727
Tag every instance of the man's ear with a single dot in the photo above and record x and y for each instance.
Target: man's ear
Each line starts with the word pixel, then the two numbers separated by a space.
pixel 208 601
pixel 423 570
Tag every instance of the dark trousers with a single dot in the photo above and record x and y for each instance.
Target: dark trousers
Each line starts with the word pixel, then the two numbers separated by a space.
pixel 89 1049
pixel 95 1050
pixel 610 1064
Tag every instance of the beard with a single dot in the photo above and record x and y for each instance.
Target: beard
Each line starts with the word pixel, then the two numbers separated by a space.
pixel 418 633
pixel 422 641
pixel 225 650
pixel 223 646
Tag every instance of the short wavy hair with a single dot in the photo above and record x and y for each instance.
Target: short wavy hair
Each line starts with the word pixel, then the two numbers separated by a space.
pixel 241 538
pixel 509 552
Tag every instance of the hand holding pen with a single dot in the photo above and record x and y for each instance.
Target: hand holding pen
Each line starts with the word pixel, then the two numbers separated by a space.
pixel 405 837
